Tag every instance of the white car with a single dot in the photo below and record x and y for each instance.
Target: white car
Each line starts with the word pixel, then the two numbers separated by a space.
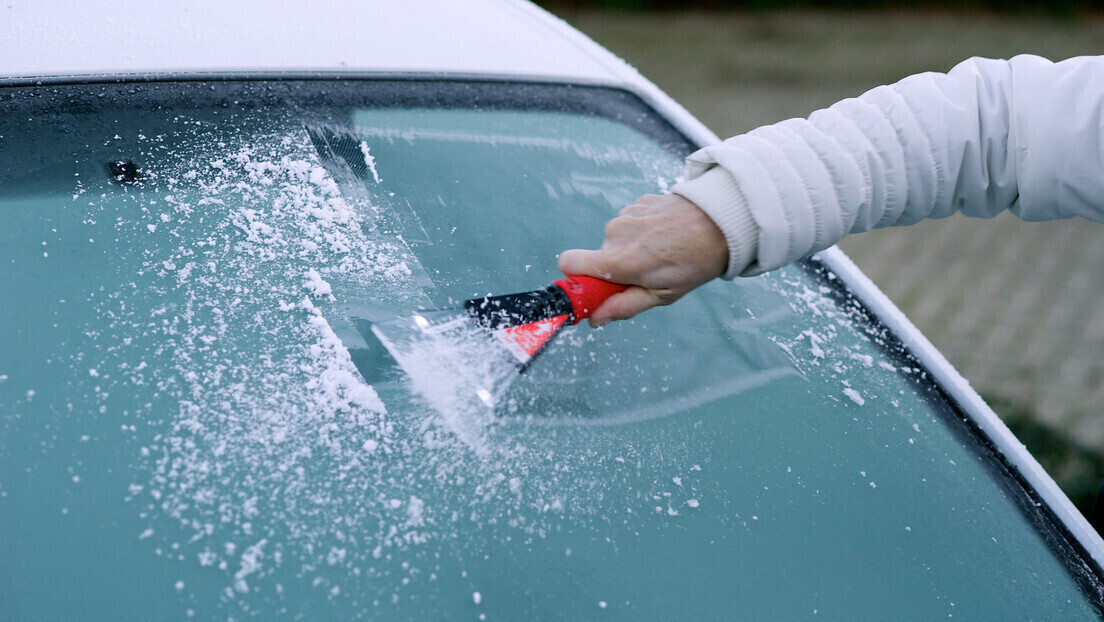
pixel 206 208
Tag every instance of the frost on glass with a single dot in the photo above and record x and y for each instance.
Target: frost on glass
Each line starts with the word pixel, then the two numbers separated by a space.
pixel 173 323
pixel 193 423
pixel 486 201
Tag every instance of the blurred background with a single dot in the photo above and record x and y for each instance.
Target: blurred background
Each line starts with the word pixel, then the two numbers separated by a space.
pixel 1017 307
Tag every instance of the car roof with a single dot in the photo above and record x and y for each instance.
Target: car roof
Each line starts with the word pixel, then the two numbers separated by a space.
pixel 480 37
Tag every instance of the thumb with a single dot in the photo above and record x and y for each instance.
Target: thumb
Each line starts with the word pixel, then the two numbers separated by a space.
pixel 624 305
pixel 583 262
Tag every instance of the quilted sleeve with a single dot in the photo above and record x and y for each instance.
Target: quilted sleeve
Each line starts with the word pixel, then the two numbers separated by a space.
pixel 990 135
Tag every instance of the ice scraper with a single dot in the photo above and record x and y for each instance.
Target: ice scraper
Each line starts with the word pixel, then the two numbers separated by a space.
pixel 476 351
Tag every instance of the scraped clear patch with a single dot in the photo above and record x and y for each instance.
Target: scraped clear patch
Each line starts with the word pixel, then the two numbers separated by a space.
pixel 453 363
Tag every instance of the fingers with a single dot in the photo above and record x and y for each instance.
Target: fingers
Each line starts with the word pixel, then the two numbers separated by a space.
pixel 620 306
pixel 649 200
pixel 585 263
pixel 624 305
pixel 645 205
pixel 623 234
pixel 664 245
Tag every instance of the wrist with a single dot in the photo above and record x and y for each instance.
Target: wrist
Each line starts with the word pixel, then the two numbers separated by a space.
pixel 716 194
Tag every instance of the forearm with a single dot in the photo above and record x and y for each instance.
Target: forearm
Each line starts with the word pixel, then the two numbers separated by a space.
pixel 988 136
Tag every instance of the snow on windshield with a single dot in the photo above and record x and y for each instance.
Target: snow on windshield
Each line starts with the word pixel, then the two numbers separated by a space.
pixel 192 393
pixel 240 240
pixel 277 456
pixel 261 444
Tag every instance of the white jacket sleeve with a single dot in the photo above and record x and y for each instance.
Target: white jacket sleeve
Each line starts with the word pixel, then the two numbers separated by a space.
pixel 1025 135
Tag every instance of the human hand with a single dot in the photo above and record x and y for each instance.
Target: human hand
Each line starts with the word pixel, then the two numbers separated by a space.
pixel 663 245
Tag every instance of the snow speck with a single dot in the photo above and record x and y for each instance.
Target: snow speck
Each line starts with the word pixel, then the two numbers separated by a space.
pixel 854 395
pixel 316 285
pixel 477 597
pixel 369 161
pixel 415 512
pixel 693 503
pixel 250 563
pixel 815 344
pixel 865 359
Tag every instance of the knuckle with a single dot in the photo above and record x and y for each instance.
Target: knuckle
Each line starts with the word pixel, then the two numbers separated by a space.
pixel 630 210
pixel 620 227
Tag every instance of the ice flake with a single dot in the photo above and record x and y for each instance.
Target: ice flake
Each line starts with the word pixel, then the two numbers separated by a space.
pixel 369 161
pixel 854 395
pixel 250 563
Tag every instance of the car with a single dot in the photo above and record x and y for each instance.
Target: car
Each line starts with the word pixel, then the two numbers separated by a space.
pixel 208 207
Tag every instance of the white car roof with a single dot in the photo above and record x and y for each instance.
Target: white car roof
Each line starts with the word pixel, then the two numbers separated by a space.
pixel 475 37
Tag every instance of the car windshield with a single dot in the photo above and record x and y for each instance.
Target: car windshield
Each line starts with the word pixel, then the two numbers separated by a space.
pixel 195 419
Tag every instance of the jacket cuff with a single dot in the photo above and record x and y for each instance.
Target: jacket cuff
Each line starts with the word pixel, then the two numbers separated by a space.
pixel 716 193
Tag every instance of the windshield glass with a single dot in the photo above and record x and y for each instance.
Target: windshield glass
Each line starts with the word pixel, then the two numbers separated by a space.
pixel 196 420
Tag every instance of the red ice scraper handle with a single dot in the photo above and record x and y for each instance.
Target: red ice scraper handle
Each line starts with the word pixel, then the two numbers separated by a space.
pixel 586 294
pixel 571 299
